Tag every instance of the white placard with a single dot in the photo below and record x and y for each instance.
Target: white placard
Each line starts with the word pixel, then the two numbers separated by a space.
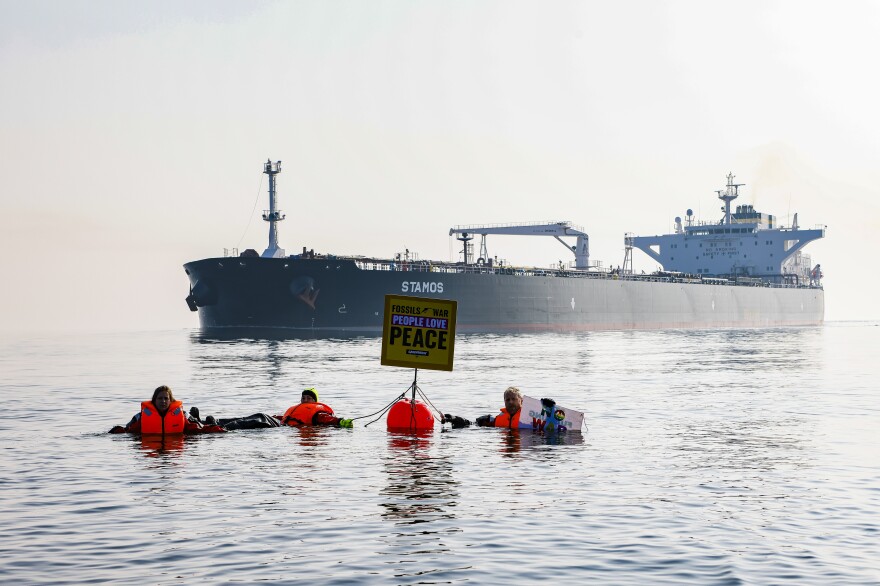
pixel 539 417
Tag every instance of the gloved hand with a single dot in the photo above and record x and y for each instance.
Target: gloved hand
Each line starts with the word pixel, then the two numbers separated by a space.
pixel 346 423
pixel 117 429
pixel 213 429
pixel 456 421
pixel 194 413
pixel 548 402
pixel 459 422
pixel 484 421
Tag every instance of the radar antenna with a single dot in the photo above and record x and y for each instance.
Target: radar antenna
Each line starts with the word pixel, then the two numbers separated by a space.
pixel 728 195
pixel 467 251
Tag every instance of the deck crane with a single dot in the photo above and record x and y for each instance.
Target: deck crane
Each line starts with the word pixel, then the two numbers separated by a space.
pixel 558 230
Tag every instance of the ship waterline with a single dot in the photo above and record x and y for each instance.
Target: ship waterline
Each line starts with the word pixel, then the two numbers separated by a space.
pixel 335 294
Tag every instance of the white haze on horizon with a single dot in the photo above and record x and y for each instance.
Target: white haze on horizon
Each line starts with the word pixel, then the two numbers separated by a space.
pixel 133 135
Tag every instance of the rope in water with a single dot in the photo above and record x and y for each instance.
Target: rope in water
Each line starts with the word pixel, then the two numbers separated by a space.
pixel 381 412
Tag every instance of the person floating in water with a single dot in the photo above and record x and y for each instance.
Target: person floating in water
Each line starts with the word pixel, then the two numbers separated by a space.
pixel 163 415
pixel 307 412
pixel 510 413
pixel 550 418
pixel 310 412
pixel 255 421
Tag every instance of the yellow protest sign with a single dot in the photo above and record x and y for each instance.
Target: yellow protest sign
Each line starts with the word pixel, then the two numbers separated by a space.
pixel 418 332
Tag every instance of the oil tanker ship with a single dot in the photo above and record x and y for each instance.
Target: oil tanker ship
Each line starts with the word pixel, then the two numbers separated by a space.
pixel 743 270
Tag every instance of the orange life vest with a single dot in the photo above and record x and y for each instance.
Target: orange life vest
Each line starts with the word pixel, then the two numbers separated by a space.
pixel 152 422
pixel 504 419
pixel 304 413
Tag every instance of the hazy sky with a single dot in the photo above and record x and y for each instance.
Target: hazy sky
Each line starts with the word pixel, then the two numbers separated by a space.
pixel 133 135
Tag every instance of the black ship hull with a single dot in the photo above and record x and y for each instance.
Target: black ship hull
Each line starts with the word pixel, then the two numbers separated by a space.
pixel 336 294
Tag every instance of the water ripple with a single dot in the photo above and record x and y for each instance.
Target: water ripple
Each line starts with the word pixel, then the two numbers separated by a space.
pixel 713 457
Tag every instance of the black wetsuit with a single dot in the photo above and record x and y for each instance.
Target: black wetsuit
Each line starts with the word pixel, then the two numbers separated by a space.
pixel 255 421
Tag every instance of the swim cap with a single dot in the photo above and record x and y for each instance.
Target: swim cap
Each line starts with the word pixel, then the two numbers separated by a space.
pixel 312 392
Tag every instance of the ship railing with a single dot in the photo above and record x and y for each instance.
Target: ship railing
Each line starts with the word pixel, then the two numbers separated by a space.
pixel 422 266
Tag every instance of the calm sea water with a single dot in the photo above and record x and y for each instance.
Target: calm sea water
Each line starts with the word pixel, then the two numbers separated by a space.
pixel 710 457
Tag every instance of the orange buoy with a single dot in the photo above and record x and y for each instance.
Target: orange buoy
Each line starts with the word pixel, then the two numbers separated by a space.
pixel 407 415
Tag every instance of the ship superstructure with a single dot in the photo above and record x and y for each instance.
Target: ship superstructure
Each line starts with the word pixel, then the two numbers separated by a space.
pixel 744 243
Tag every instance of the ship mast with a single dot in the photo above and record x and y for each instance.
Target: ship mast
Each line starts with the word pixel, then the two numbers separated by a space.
pixel 272 215
pixel 728 195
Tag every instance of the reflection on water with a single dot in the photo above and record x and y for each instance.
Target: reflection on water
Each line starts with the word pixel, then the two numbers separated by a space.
pixel 211 335
pixel 420 484
pixel 280 358
pixel 420 496
pixel 265 357
pixel 157 446
pixel 513 441
pixel 309 438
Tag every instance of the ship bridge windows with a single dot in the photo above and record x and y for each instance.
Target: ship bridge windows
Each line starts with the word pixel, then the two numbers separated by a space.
pixel 721 231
